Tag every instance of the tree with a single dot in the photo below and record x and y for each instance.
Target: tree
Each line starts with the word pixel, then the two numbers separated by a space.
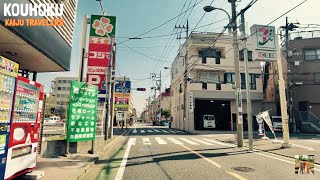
pixel 50 105
pixel 165 113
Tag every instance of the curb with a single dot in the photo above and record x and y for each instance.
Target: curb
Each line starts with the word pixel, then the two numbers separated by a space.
pixel 91 164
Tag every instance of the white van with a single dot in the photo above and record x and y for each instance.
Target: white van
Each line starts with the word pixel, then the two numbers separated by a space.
pixel 277 123
pixel 209 121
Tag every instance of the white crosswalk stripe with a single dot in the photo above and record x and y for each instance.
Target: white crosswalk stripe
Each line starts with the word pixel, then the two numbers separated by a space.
pixel 165 131
pixel 146 141
pixel 220 143
pixel 172 131
pixel 142 131
pixel 135 131
pixel 203 142
pixel 314 141
pixel 150 131
pixel 175 141
pixel 160 141
pixel 177 131
pixel 157 130
pixel 188 141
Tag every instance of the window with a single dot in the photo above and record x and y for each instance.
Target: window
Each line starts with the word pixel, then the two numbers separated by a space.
pixel 204 60
pixel 208 77
pixel 229 78
pixel 180 90
pixel 64 88
pixel 316 77
pixel 59 81
pixel 311 54
pixel 218 57
pixel 253 82
pixel 204 86
pixel 65 81
pixel 243 81
pixel 241 55
pixel 218 87
pixel 59 88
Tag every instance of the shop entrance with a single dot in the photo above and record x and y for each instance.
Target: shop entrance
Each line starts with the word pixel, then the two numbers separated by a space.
pixel 220 110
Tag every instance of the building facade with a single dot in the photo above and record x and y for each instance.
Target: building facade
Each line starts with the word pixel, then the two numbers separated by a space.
pixel 210 88
pixel 302 67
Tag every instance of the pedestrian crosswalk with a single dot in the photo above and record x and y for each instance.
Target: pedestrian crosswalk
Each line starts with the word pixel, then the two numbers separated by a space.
pixel 177 141
pixel 136 131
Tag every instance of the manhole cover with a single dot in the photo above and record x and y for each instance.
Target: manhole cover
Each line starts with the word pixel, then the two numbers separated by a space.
pixel 243 169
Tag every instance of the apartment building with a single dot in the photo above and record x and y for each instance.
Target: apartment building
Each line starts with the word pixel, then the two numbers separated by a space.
pixel 304 65
pixel 210 88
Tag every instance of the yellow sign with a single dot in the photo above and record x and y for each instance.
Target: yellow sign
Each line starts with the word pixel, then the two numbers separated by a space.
pixel 126 95
pixel 8 67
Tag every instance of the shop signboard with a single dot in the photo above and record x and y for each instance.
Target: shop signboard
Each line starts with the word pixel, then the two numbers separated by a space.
pixel 122 86
pixel 82 112
pixel 102 32
pixel 265 43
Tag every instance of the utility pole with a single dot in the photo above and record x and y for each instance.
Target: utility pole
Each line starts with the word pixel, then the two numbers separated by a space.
pixel 112 91
pixel 186 57
pixel 245 56
pixel 237 75
pixel 123 95
pixel 108 92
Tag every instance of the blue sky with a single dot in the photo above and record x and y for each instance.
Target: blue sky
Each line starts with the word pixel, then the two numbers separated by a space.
pixel 139 16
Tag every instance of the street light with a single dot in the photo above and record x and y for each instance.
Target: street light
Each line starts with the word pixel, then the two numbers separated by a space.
pixel 210 8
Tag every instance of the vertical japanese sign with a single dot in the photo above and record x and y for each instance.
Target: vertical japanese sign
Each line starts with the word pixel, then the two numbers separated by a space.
pixel 102 32
pixel 122 94
pixel 82 112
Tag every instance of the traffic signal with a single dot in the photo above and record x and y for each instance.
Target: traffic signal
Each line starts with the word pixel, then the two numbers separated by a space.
pixel 113 75
pixel 141 89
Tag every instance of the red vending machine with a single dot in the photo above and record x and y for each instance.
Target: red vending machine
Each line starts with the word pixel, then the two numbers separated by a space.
pixel 25 123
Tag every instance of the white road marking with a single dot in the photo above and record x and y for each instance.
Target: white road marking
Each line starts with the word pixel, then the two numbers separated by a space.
pixel 203 142
pixel 315 141
pixel 188 141
pixel 132 141
pixel 135 131
pixel 311 149
pixel 220 143
pixel 160 141
pixel 146 141
pixel 165 131
pixel 174 141
pixel 172 131
pixel 150 131
pixel 142 131
pixel 156 130
pixel 124 161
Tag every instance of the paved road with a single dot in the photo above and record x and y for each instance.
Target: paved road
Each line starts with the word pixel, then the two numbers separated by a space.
pixel 162 153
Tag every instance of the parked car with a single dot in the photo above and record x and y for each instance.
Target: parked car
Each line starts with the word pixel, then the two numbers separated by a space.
pixel 277 123
pixel 209 121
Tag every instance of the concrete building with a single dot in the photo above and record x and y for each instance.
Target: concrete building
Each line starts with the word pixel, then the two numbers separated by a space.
pixel 60 89
pixel 304 62
pixel 211 82
pixel 162 103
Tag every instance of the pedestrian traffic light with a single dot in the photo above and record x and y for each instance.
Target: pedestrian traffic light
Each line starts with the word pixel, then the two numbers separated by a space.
pixel 141 89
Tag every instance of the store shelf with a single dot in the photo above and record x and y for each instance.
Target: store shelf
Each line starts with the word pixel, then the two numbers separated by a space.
pixel 5 109
pixel 27 96
pixel 5 90
pixel 24 111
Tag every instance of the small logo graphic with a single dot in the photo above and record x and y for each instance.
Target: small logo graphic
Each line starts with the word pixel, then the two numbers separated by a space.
pixel 102 27
pixel 304 164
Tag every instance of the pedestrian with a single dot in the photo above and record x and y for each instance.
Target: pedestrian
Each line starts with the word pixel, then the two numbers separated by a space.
pixel 302 166
pixel 308 167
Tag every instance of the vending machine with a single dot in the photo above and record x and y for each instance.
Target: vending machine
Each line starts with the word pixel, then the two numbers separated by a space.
pixel 25 123
pixel 8 74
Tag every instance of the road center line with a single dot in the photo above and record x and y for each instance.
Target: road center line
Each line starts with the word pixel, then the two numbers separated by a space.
pixel 123 163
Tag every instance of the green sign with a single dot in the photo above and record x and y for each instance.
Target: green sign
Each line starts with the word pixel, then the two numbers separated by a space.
pixel 82 116
pixel 103 26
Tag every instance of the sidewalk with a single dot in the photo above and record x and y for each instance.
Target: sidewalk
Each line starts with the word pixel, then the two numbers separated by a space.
pixel 300 146
pixel 75 165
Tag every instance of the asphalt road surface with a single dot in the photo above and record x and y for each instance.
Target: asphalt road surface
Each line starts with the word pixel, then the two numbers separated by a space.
pixel 161 153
